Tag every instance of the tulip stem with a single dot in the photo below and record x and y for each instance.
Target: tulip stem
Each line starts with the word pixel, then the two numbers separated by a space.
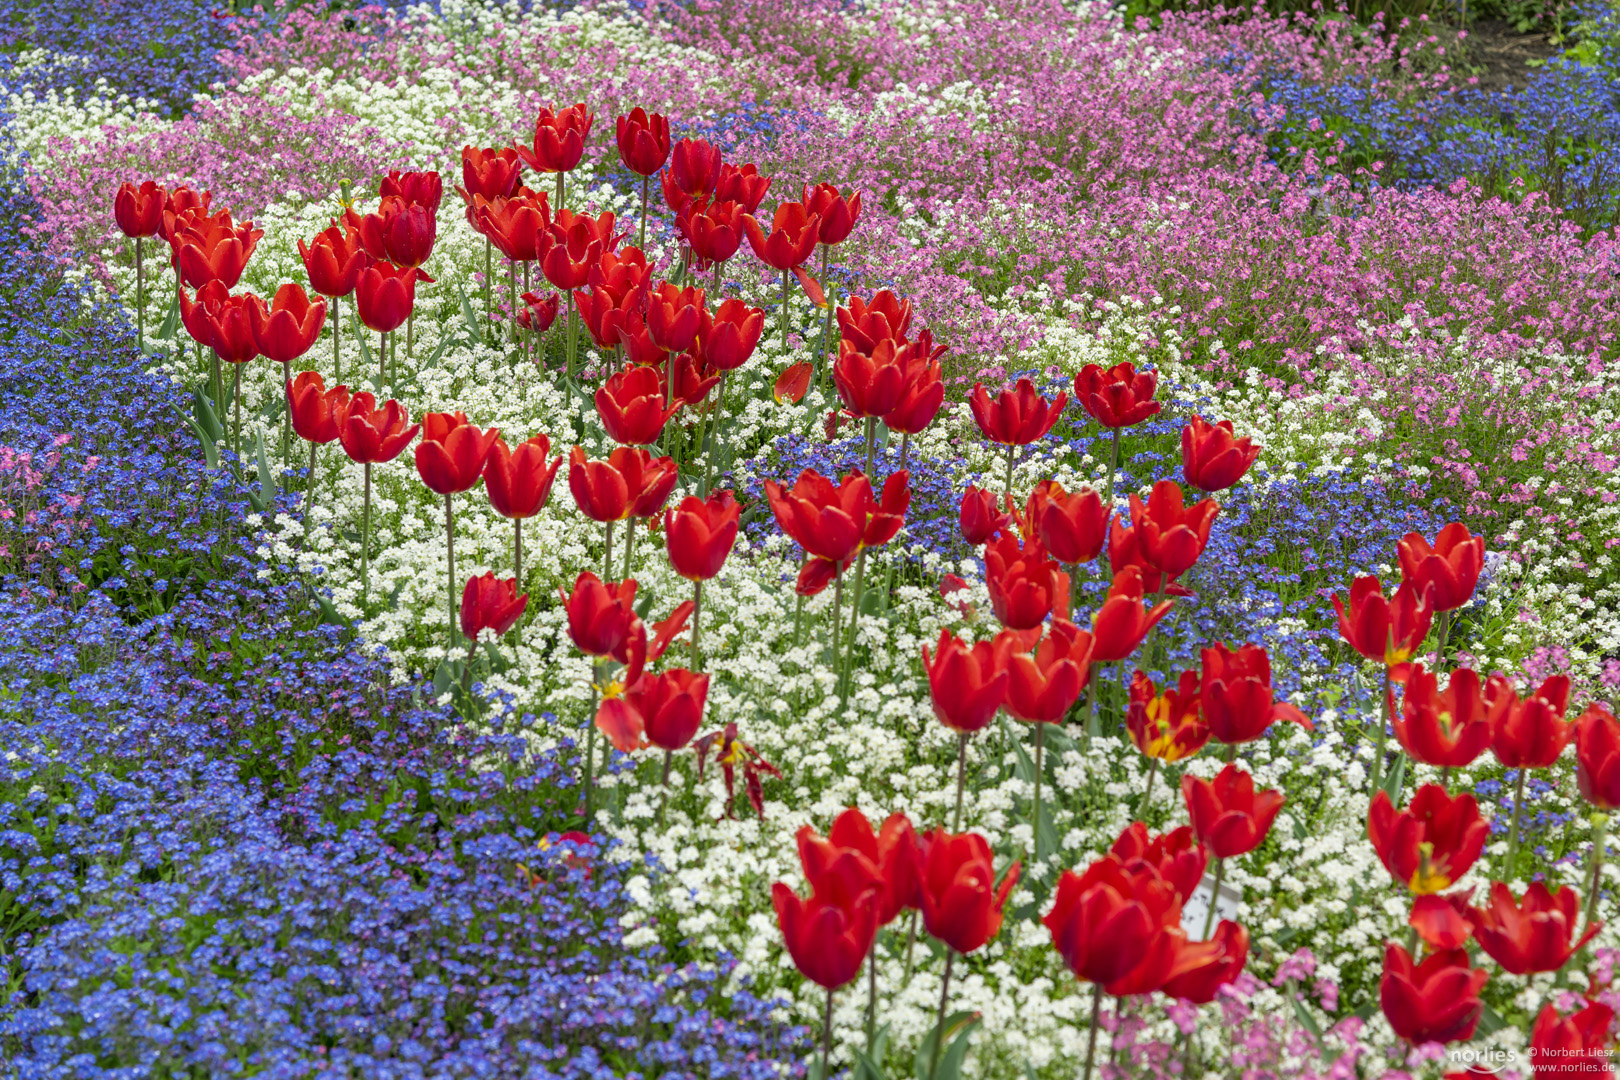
pixel 1074 588
pixel 1383 733
pixel 663 799
pixel 826 318
pixel 641 237
pixel 784 310
pixel 944 997
pixel 511 302
pixel 590 747
pixel 871 995
pixel 309 497
pixel 382 355
pixel 1091 1041
pixel 216 381
pixel 517 552
pixel 286 429
pixel 826 1036
pixel 697 616
pixel 410 333
pixel 629 545
pixel 450 563
pixel 871 441
pixel 140 298
pixel 236 424
pixel 573 335
pixel 488 254
pixel 561 190
pixel 1093 728
pixel 1445 777
pixel 365 540
pixel 1147 792
pixel 1214 899
pixel 846 675
pixel 1513 829
pixel 1009 468
pixel 961 781
pixel 1040 742
pixel 1113 465
pixel 337 334
pixel 1600 827
pixel 911 945
pixel 526 339
pixel 905 449
pixel 607 560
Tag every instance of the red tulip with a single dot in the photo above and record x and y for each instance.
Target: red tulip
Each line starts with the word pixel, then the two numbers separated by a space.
pixel 1435 1001
pixel 314 409
pixel 490 603
pixel 1117 397
pixel 742 185
pixel 663 710
pixel 1573 1045
pixel 233 329
pixel 981 516
pixel 1229 816
pixel 791 240
pixel 559 140
pixel 1177 855
pixel 1447 729
pixel 694 170
pixel 732 335
pixel 139 210
pixel 832 523
pixel 1117 926
pixel 870 384
pixel 399 232
pixel 1172 536
pixel 864 324
pixel 199 317
pixel 675 316
pixel 519 481
pixel 1389 631
pixel 1016 417
pixel 890 859
pixel 631 405
pixel 923 391
pixel 385 295
pixel 1121 623
pixel 572 246
pixel 606 318
pixel 451 456
pixel 713 230
pixel 1528 734
pixel 182 206
pixel 1431 843
pixel 1219 961
pixel 1452 565
pixel 966 683
pixel 1166 726
pixel 425 189
pixel 792 384
pixel 1022 580
pixel 1041 687
pixel 334 261
pixel 538 312
pixel 517 226
pixel 491 172
pixel 289 327
pixel 829 935
pixel 1124 550
pixel 214 250
pixel 1535 934
pixel 1212 457
pixel 372 435
pixel 643 140
pixel 630 483
pixel 694 378
pixel 1235 694
pixel 837 212
pixel 600 614
pixel 1597 757
pixel 961 904
pixel 700 534
pixel 1442 920
pixel 1073 526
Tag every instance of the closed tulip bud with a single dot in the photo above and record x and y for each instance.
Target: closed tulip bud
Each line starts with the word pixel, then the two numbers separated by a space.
pixel 491 172
pixel 1452 564
pixel 966 683
pixel 713 230
pixel 631 405
pixel 139 210
pixel 1177 855
pixel 600 614
pixel 1235 694
pixel 865 323
pixel 1072 525
pixel 981 517
pixel 870 385
pixel 539 312
pixel 490 603
pixel 1209 965
pixel 791 240
pixel 829 935
pixel 1166 726
pixel 1532 733
pixel 1597 757
pixel 890 859
pixel 334 261
pixel 742 185
pixel 1446 729
pixel 1116 926
pixel 1042 686
pixel 386 294
pixel 961 903
pixel 1016 417
pixel 663 710
pixel 559 140
pixel 1117 397
pixel 519 481
pixel 451 456
pixel 1229 816
pixel 1435 1001
pixel 643 141
pixel 290 326
pixel 1562 1046
pixel 1534 934
pixel 1121 623
pixel 700 534
pixel 693 173
pixel 1171 536
pixel 314 409
pixel 1022 580
pixel 1213 458
pixel 1432 843
pixel 1388 631
pixel 837 212
pixel 374 435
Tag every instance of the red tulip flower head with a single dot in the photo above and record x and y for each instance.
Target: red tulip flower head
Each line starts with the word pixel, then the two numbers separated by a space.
pixel 451 456
pixel 490 603
pixel 1072 525
pixel 701 533
pixel 1177 855
pixel 1229 816
pixel 631 405
pixel 732 334
pixel 200 316
pixel 923 389
pixel 1435 1001
pixel 516 226
pixel 139 210
pixel 663 710
pixel 1043 686
pixel 1171 536
pixel 1235 694
pixel 743 185
pixel 290 326
pixel 1022 579
pixel 399 232
pixel 829 935
pixel 1452 564
pixel 1431 843
pixel 1117 397
pixel 214 250
pixel 967 683
pixel 559 140
pixel 713 230
pixel 693 173
pixel 865 323
pixel 233 329
pixel 539 312
pixel 1209 965
pixel 1166 726
pixel 792 238
pixel 1528 734
pixel 491 172
pixel 870 385
pixel 630 483
pixel 424 189
pixel 1446 729
pixel 572 246
pixel 600 614
pixel 182 206
pixel 385 295
pixel 373 435
pixel 1597 757
pixel 832 524
pixel 675 316
pixel 1442 920
pixel 1118 927
pixel 1016 417
pixel 1125 550
pixel 1563 1046
pixel 643 140
pixel 1534 934
pixel 1213 458
pixel 961 903
pixel 981 516
pixel 1121 623
pixel 889 858
pixel 519 481
pixel 838 213
pixel 1388 631
pixel 334 261
pixel 314 409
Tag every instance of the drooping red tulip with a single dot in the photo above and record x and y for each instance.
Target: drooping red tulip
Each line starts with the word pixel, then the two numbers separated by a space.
pixel 700 534
pixel 832 523
pixel 663 710
pixel 385 295
pixel 600 613
pixel 315 410
pixel 538 312
pixel 829 935
pixel 424 188
pixel 1235 694
pixel 1209 965
pixel 791 240
pixel 492 172
pixel 139 210
pixel 1117 397
pixel 865 323
pixel 519 481
pixel 966 683
pixel 1117 926
pixel 1072 525
pixel 1446 729
pixel 1431 843
pixel 214 250
pixel 1435 1001
pixel 1229 816
pixel 643 141
pixel 1171 536
pixel 870 384
pixel 631 405
pixel 838 212
pixel 559 140
pixel 1042 686
pixel 961 903
pixel 981 516
pixel 1529 733
pixel 1389 631
pixel 1121 623
pixel 334 261
pixel 400 232
pixel 1534 934
pixel 1022 580
pixel 490 603
pixel 1016 417
pixel 889 858
pixel 372 435
pixel 1565 1046
pixel 1452 564
pixel 630 483
pixel 1597 757
pixel 452 454
pixel 741 184
pixel 1213 458
pixel 1177 855
pixel 1167 726
pixel 290 326
pixel 732 335
pixel 693 173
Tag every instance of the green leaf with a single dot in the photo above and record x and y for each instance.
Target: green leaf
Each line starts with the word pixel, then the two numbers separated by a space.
pixel 210 451
pixel 1024 768
pixel 433 361
pixel 475 325
pixel 869 1069
pixel 359 334
pixel 1302 1013
pixel 960 1025
pixel 171 321
pixel 1490 1021
pixel 447 674
pixel 266 479
pixel 329 614
pixel 207 418
pixel 1397 776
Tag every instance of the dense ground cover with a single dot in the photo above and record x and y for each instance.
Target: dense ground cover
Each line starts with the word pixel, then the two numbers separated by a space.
pixel 1279 217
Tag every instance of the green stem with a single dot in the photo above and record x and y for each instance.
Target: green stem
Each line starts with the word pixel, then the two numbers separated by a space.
pixel 216 381
pixel 826 1036
pixel 629 545
pixel 410 332
pixel 944 999
pixel 663 799
pixel 911 945
pixel 140 298
pixel 1214 899
pixel 382 356
pixel 365 540
pixel 826 318
pixel 517 552
pixel 905 448
pixel 838 617
pixel 697 616
pixel 309 498
pixel 1113 465
pixel 784 310
pixel 562 190
pixel 590 749
pixel 871 997
pixel 607 560
pixel 1147 792
pixel 489 311
pixel 337 334
pixel 1383 733
pixel 961 781
pixel 1091 1042
pixel 286 430
pixel 1513 830
pixel 641 237
pixel 236 405
pixel 1600 826
pixel 450 563
pixel 845 675
pixel 1040 742
pixel 512 301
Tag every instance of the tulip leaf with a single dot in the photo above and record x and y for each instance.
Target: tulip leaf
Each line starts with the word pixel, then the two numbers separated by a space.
pixel 447 674
pixel 207 418
pixel 475 325
pixel 498 660
pixel 1490 1021
pixel 171 321
pixel 367 357
pixel 1397 776
pixel 267 482
pixel 329 614
pixel 210 451
pixel 1025 767
pixel 433 361
pixel 1302 1013
pixel 960 1025
pixel 867 1068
